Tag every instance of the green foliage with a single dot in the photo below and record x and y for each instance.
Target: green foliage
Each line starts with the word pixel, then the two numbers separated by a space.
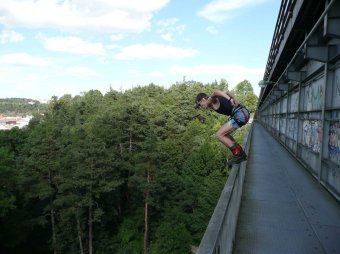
pixel 171 239
pixel 7 197
pixel 245 94
pixel 20 106
pixel 85 173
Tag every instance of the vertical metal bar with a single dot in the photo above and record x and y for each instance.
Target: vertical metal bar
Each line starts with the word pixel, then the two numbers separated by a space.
pixel 323 103
pixel 288 100
pixel 278 117
pixel 323 119
pixel 298 121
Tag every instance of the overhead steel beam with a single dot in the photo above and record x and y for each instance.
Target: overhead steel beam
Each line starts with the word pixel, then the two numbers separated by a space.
pixel 332 21
pixel 318 53
pixel 283 86
pixel 298 76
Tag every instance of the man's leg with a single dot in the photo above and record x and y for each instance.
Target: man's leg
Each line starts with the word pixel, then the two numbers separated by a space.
pixel 224 136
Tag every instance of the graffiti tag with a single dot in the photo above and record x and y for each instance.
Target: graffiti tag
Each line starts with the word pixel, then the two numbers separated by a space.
pixel 334 142
pixel 312 135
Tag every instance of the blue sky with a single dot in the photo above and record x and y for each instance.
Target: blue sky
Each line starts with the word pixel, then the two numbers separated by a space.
pixel 56 47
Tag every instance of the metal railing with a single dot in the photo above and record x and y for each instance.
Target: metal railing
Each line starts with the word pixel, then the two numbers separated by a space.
pixel 220 233
pixel 285 14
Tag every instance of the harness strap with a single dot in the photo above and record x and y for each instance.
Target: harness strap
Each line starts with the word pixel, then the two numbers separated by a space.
pixel 245 116
pixel 237 108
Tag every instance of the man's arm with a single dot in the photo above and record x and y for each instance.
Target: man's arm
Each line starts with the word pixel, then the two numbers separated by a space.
pixel 226 94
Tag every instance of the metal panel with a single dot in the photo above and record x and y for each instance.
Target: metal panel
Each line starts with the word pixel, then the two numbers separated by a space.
pixel 294 102
pixel 330 175
pixel 336 90
pixel 283 125
pixel 314 95
pixel 284 105
pixel 292 127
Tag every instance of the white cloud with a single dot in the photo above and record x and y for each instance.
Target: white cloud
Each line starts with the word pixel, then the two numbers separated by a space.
pixel 167 37
pixel 212 30
pixel 23 59
pixel 73 45
pixel 102 16
pixel 78 70
pixel 220 10
pixel 168 27
pixel 139 73
pixel 112 46
pixel 36 78
pixel 156 74
pixel 116 37
pixel 10 36
pixel 155 51
pixel 134 72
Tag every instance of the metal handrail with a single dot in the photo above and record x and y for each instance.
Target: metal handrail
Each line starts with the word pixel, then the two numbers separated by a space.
pixel 280 28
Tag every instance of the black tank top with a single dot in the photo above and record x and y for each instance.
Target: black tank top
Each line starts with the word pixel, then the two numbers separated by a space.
pixel 225 107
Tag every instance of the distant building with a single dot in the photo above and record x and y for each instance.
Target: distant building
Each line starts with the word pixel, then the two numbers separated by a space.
pixel 7 123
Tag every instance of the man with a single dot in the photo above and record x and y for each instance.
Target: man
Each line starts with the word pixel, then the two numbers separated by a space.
pixel 223 102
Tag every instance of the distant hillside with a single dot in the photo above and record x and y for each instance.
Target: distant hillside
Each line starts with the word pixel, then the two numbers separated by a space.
pixel 21 106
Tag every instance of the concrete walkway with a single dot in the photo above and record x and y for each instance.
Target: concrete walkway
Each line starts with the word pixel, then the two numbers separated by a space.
pixel 283 208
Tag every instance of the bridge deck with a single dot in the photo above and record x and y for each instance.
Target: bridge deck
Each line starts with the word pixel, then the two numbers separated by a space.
pixel 283 208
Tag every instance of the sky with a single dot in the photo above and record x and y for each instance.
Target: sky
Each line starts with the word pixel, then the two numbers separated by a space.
pixel 57 47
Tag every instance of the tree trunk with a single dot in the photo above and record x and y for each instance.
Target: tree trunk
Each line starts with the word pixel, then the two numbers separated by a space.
pixel 121 149
pixel 90 230
pixel 146 221
pixel 54 238
pixel 79 236
pixel 90 211
pixel 130 145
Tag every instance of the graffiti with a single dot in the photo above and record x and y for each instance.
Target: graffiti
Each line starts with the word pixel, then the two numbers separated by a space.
pixel 337 85
pixel 314 95
pixel 336 89
pixel 334 142
pixel 312 135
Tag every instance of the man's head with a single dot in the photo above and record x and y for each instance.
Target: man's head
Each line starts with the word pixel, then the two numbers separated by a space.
pixel 201 100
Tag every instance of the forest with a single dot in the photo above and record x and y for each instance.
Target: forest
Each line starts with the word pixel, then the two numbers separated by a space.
pixel 130 172
pixel 21 106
